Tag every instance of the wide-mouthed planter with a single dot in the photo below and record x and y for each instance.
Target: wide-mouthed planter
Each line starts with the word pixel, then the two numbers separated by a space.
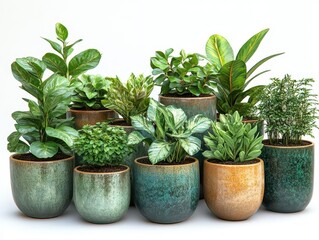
pixel 166 193
pixel 41 189
pixel 102 197
pixel 233 192
pixel 289 176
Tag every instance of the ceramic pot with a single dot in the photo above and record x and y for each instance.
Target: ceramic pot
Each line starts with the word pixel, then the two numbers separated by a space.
pixel 166 193
pixel 289 176
pixel 233 192
pixel 41 189
pixel 102 197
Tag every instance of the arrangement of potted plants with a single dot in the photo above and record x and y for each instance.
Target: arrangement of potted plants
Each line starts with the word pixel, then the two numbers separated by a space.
pixel 102 183
pixel 41 169
pixel 167 180
pixel 290 110
pixel 233 173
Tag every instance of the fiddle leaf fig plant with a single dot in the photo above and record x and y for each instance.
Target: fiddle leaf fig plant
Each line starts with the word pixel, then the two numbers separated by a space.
pixel 43 130
pixel 59 63
pixel 232 140
pixel 168 132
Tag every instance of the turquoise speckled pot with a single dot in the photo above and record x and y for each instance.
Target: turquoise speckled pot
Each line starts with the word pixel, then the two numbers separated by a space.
pixel 166 193
pixel 42 189
pixel 289 174
pixel 102 197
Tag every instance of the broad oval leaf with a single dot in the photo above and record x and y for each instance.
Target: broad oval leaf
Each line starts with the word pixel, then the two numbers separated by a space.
pixel 151 110
pixel 142 124
pixel 33 65
pixel 64 133
pixel 55 63
pixel 24 76
pixel 159 151
pixel 232 75
pixel 191 145
pixel 34 108
pixel 178 115
pixel 61 31
pixel 198 124
pixel 84 61
pixel 54 45
pixel 44 149
pixel 135 137
pixel 53 83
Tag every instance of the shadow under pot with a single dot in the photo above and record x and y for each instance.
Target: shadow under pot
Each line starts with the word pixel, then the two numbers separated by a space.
pixel 233 191
pixel 289 176
pixel 41 189
pixel 166 193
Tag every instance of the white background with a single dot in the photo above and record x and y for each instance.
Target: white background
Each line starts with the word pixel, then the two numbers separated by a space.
pixel 128 32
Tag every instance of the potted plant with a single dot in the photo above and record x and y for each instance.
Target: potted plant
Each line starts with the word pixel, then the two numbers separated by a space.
pixel 167 180
pixel 41 169
pixel 233 173
pixel 102 183
pixel 290 110
pixel 86 106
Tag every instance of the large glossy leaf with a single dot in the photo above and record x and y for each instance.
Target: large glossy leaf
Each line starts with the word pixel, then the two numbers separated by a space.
pixel 54 45
pixel 64 133
pixel 253 93
pixel 23 129
pixel 22 115
pixel 178 115
pixel 15 144
pixel 250 47
pixel 198 124
pixel 135 137
pixel 168 116
pixel 141 124
pixel 44 149
pixel 54 83
pixel 191 145
pixel 219 51
pixel 23 76
pixel 61 31
pixel 33 65
pixel 84 61
pixel 159 151
pixel 34 108
pixel 55 63
pixel 232 75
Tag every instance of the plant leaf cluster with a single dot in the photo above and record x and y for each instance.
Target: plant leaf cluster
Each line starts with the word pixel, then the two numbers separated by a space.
pixel 233 140
pixel 168 132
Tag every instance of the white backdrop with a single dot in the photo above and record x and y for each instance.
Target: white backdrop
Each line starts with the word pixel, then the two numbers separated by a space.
pixel 127 33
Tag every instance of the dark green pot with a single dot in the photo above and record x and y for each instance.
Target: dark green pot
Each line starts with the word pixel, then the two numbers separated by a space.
pixel 289 174
pixel 42 189
pixel 102 197
pixel 166 193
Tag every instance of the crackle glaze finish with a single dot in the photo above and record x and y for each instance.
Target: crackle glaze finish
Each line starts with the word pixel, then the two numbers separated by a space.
pixel 233 192
pixel 289 174
pixel 102 197
pixel 42 189
pixel 166 193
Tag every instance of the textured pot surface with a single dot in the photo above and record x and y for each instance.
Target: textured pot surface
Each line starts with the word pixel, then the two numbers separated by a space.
pixel 289 176
pixel 233 192
pixel 102 197
pixel 166 193
pixel 42 189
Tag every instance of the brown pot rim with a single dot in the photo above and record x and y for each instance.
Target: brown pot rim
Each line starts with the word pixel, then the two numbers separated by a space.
pixel 184 98
pixel 76 169
pixel 309 144
pixel 13 158
pixel 260 161
pixel 114 120
pixel 136 161
pixel 89 110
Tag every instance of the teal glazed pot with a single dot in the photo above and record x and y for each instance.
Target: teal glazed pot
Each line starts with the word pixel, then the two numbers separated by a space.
pixel 166 193
pixel 102 197
pixel 42 189
pixel 289 176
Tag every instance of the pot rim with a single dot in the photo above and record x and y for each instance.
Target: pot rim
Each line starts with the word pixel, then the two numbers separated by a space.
pixel 89 110
pixel 311 144
pixel 206 161
pixel 76 169
pixel 13 158
pixel 195 160
pixel 114 120
pixel 205 97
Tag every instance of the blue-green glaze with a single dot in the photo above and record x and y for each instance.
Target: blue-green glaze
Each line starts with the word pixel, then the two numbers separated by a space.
pixel 166 193
pixel 42 189
pixel 102 197
pixel 289 174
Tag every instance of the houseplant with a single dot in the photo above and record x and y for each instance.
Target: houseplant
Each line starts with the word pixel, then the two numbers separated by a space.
pixel 290 110
pixel 102 183
pixel 167 180
pixel 41 169
pixel 233 175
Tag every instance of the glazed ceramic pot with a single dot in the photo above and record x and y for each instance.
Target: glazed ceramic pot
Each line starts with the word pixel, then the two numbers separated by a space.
pixel 41 189
pixel 102 197
pixel 166 193
pixel 233 192
pixel 289 176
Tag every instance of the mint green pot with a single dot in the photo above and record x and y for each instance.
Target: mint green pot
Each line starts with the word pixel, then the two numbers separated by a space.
pixel 102 197
pixel 42 189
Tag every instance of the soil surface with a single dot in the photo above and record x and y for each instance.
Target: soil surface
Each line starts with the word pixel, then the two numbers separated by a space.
pixel 30 157
pixel 233 163
pixel 186 161
pixel 104 169
pixel 186 95
pixel 120 123
pixel 280 144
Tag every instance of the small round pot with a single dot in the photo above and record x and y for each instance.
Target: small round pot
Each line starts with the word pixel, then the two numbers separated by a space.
pixel 42 189
pixel 233 192
pixel 166 193
pixel 102 197
pixel 289 176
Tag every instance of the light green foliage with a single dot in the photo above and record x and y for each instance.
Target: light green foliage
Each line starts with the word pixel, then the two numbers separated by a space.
pixel 89 90
pixel 233 76
pixel 43 127
pixel 130 98
pixel 102 145
pixel 59 63
pixel 182 74
pixel 233 140
pixel 290 110
pixel 168 132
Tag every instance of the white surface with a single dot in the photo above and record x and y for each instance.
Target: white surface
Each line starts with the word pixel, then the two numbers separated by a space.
pixel 128 33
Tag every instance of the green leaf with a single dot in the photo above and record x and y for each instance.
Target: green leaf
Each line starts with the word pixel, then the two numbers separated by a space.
pixel 44 149
pixel 23 129
pixel 141 124
pixel 151 111
pixel 23 76
pixel 135 137
pixel 232 75
pixel 32 65
pixel 64 133
pixel 61 31
pixel 55 63
pixel 168 52
pixel 84 61
pixel 191 145
pixel 67 50
pixel 54 45
pixel 159 151
pixel 198 124
pixel 178 115
pixel 53 83
pixel 34 108
pixel 194 90
pixel 15 144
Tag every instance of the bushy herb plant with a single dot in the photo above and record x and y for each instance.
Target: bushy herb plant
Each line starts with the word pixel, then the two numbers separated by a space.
pixel 232 140
pixel 130 98
pixel 182 74
pixel 168 132
pixel 102 145
pixel 289 108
